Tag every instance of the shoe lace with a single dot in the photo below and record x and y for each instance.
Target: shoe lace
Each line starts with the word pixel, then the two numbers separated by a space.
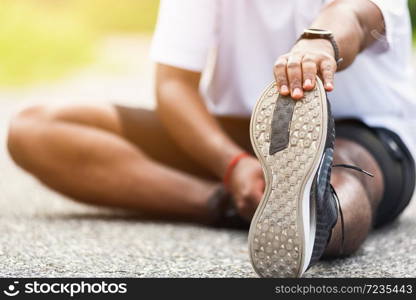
pixel 353 168
pixel 339 203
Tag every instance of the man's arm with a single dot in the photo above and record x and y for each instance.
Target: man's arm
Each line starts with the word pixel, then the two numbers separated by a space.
pixel 352 23
pixel 195 130
pixel 184 114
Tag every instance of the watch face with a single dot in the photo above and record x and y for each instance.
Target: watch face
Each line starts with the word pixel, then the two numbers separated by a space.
pixel 318 31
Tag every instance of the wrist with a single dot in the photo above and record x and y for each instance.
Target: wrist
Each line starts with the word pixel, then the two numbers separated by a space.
pixel 223 160
pixel 232 164
pixel 315 45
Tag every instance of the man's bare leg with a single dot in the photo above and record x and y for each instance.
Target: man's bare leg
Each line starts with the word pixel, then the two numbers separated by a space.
pixel 359 196
pixel 80 151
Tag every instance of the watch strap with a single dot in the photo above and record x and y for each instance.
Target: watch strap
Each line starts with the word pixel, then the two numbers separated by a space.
pixel 323 34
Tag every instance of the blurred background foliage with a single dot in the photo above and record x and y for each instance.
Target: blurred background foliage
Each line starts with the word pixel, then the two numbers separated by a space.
pixel 44 39
pixel 412 8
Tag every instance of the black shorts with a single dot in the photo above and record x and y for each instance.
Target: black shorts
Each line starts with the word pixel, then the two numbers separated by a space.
pixel 395 161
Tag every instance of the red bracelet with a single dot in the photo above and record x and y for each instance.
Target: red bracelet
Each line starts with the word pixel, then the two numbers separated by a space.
pixel 230 168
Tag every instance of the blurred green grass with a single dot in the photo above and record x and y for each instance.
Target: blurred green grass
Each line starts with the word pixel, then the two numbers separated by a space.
pixel 42 40
pixel 412 9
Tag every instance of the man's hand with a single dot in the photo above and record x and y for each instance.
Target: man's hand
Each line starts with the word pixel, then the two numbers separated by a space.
pixel 247 186
pixel 295 71
pixel 352 23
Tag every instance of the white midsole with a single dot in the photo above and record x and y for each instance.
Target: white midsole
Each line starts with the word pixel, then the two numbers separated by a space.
pixel 309 226
pixel 308 208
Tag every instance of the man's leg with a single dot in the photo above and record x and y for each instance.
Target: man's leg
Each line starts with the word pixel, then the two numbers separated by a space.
pixel 359 196
pixel 92 154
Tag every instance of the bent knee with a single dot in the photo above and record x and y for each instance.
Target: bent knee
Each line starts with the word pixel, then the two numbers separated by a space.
pixel 20 130
pixel 29 126
pixel 103 116
pixel 22 124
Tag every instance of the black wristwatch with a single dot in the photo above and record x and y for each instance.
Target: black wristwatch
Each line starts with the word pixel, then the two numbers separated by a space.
pixel 313 33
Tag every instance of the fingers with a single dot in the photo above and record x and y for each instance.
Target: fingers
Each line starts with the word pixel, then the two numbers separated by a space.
pixel 309 70
pixel 296 72
pixel 281 76
pixel 294 76
pixel 328 68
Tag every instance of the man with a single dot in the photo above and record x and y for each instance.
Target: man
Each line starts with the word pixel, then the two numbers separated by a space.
pixel 171 164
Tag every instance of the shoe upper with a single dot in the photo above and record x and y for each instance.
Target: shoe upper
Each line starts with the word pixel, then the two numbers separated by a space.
pixel 323 197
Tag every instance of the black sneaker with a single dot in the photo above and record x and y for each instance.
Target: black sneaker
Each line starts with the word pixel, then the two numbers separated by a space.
pixel 294 142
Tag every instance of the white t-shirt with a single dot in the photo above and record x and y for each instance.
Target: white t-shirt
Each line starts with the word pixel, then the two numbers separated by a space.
pixel 236 42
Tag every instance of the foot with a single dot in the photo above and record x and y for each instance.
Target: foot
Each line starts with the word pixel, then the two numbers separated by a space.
pixel 294 143
pixel 223 211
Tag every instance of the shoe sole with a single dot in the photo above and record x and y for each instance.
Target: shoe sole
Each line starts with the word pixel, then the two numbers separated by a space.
pixel 282 231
